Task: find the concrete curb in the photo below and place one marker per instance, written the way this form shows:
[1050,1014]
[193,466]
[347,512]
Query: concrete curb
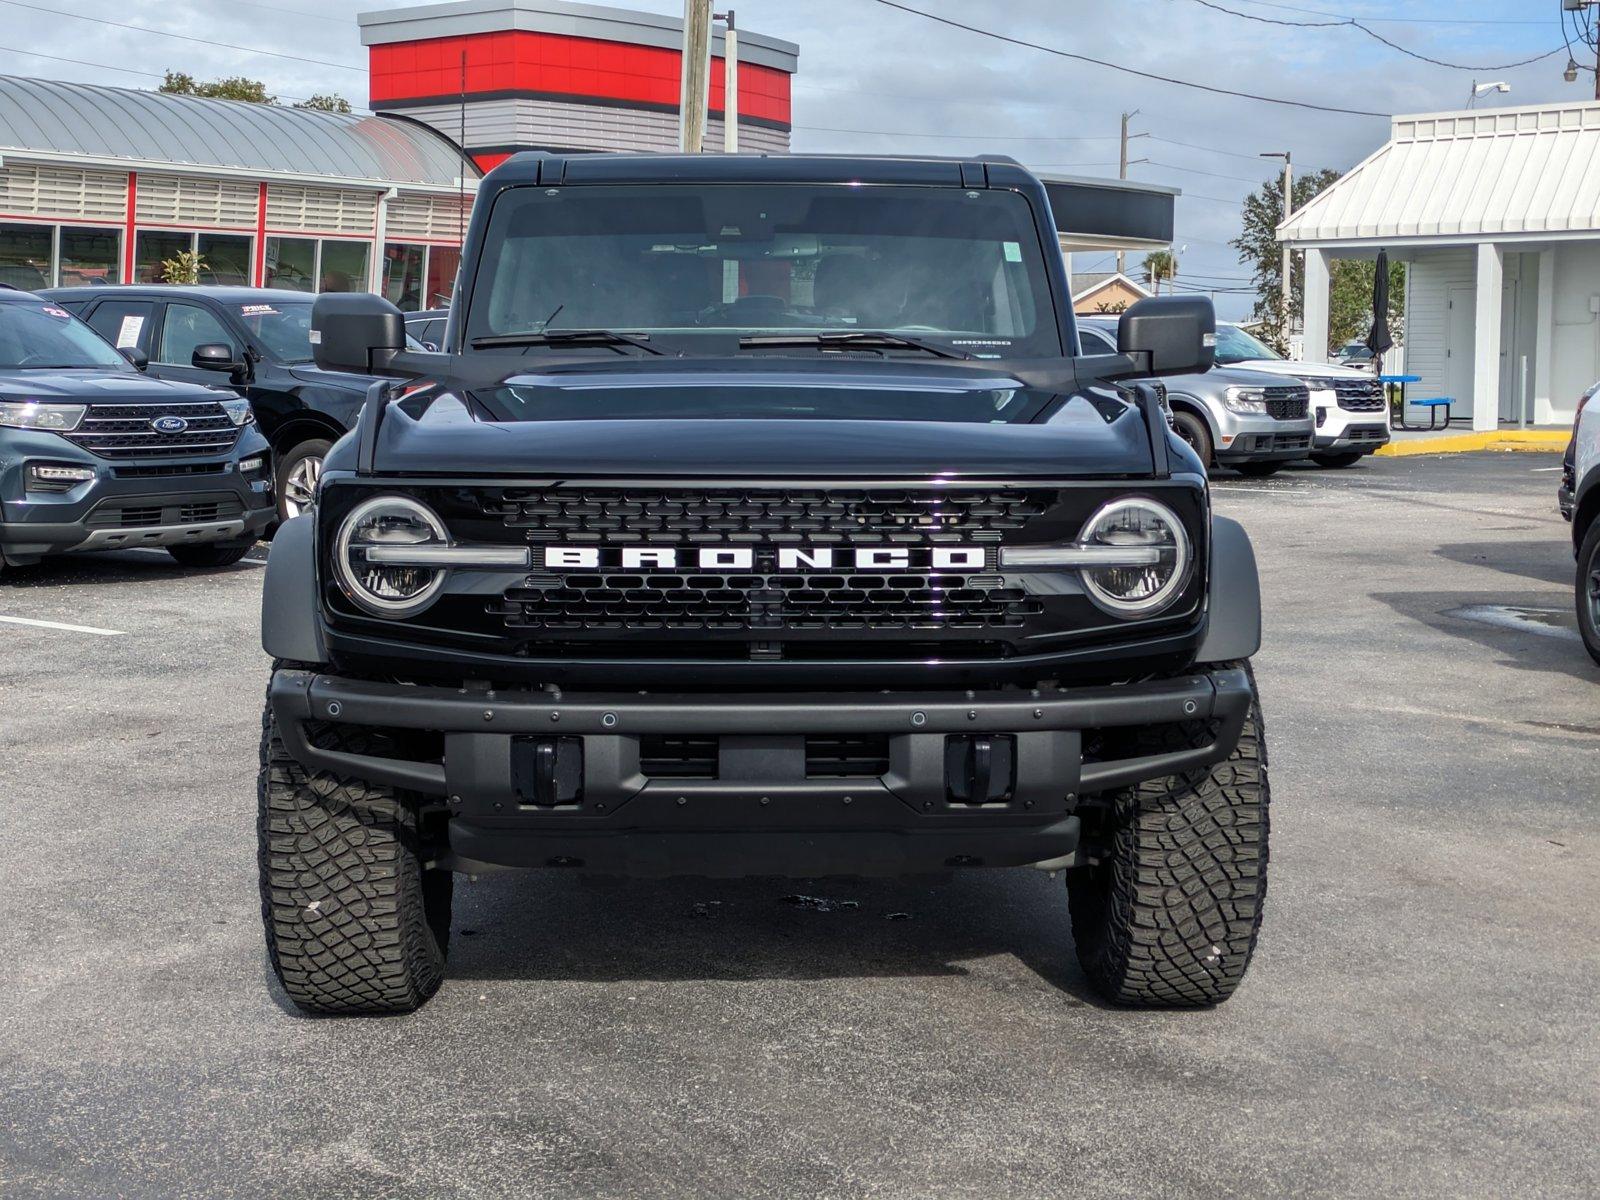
[1492,439]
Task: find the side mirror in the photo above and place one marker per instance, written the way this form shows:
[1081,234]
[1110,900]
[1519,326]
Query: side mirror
[356,332]
[136,356]
[1175,335]
[215,356]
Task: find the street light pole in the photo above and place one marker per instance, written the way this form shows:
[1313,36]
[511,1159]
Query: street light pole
[730,82]
[1285,306]
[1122,173]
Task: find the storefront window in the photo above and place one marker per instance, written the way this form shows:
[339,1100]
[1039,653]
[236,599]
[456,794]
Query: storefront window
[291,264]
[90,256]
[402,275]
[153,248]
[25,256]
[443,263]
[344,267]
[225,259]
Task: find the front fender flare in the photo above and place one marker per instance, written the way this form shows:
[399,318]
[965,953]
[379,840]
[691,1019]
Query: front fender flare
[291,627]
[1233,602]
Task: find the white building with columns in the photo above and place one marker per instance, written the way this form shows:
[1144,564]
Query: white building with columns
[1497,215]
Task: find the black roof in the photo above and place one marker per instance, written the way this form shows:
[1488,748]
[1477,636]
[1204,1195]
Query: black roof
[543,167]
[224,295]
[427,314]
[8,292]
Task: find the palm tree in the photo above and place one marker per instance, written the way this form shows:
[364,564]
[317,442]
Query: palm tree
[1159,265]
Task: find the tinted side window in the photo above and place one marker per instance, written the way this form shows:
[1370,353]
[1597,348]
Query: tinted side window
[187,326]
[1095,342]
[123,323]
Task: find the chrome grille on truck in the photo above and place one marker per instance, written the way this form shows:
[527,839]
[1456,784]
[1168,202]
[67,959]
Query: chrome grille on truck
[764,599]
[124,431]
[1352,395]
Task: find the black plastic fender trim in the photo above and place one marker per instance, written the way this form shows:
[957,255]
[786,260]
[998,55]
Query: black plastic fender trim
[290,624]
[1233,605]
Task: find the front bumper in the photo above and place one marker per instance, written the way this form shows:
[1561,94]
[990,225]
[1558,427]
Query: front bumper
[759,813]
[129,504]
[1354,438]
[1248,438]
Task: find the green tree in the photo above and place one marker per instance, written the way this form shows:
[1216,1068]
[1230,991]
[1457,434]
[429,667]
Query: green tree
[1260,250]
[1350,306]
[234,87]
[326,103]
[237,87]
[1159,265]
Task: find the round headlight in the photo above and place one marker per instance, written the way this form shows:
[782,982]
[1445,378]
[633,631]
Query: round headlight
[388,521]
[1137,591]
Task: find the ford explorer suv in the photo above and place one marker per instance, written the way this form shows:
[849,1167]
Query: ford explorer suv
[761,516]
[96,455]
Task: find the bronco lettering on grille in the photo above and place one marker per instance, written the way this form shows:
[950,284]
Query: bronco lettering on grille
[743,558]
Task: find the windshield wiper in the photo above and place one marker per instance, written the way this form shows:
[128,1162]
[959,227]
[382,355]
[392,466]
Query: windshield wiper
[863,339]
[565,337]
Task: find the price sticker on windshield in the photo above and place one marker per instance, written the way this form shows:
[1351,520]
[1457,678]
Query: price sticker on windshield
[52,311]
[1013,251]
[259,310]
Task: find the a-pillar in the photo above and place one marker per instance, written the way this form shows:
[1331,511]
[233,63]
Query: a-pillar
[1486,338]
[1316,307]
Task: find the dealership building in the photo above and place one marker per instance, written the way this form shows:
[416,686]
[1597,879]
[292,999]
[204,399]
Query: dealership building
[102,185]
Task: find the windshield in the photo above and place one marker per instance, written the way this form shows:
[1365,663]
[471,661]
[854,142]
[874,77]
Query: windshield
[690,266]
[1235,345]
[283,328]
[38,336]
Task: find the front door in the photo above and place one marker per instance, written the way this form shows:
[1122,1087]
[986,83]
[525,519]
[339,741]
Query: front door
[1460,347]
[185,325]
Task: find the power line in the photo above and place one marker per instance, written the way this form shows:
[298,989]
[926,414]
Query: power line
[1352,23]
[83,62]
[1398,20]
[1100,62]
[1207,174]
[182,37]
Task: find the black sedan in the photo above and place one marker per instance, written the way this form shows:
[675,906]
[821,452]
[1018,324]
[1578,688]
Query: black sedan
[259,339]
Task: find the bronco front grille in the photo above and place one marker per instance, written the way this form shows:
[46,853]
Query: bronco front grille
[765,602]
[748,515]
[128,430]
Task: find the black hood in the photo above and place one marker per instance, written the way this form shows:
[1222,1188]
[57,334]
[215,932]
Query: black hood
[311,373]
[779,420]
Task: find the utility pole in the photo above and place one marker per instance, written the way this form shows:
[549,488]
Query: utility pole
[1122,173]
[1286,306]
[730,83]
[696,73]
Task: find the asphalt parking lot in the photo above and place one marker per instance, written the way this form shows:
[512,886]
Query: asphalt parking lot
[1421,1019]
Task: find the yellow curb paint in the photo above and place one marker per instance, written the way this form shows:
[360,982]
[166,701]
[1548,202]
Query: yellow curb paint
[1492,439]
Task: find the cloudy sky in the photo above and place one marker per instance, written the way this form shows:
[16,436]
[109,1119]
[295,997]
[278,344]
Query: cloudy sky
[874,79]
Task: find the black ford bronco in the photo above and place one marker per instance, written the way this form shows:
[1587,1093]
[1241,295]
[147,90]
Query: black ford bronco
[762,516]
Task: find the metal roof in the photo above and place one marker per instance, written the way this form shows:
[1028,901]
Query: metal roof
[1467,176]
[117,126]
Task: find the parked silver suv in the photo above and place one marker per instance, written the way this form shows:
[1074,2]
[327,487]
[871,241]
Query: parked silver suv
[1248,420]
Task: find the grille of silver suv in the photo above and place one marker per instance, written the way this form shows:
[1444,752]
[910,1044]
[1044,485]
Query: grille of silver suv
[129,430]
[1352,395]
[1288,403]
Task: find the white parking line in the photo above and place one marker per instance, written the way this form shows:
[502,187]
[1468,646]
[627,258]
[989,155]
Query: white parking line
[64,628]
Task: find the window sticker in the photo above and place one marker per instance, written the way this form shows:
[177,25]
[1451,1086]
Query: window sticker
[1013,251]
[259,310]
[51,311]
[128,332]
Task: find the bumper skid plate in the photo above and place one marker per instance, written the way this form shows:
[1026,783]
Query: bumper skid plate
[760,813]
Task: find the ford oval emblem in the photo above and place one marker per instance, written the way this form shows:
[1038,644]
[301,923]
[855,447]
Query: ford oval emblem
[169,424]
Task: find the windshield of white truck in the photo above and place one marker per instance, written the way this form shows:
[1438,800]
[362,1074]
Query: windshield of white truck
[1234,345]
[762,269]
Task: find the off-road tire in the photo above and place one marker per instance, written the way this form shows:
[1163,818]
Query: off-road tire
[1258,470]
[1588,587]
[1337,460]
[1193,430]
[211,554]
[354,925]
[1169,916]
